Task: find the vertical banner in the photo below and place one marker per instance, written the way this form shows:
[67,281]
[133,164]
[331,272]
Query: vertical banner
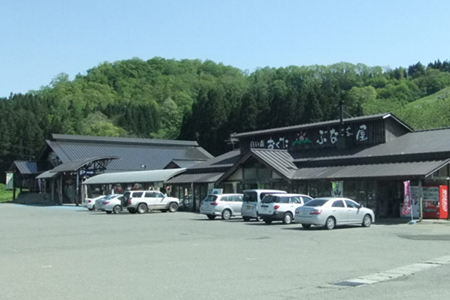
[337,189]
[406,210]
[9,181]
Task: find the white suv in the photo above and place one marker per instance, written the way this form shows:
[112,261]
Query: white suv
[143,201]
[280,207]
[224,205]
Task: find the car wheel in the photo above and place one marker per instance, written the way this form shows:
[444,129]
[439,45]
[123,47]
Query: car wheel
[259,218]
[90,208]
[246,219]
[173,207]
[142,208]
[330,223]
[131,210]
[306,226]
[367,221]
[268,222]
[287,218]
[108,212]
[117,209]
[211,217]
[226,214]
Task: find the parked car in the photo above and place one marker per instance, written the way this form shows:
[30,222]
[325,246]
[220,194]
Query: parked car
[224,205]
[250,205]
[110,204]
[90,202]
[276,207]
[331,212]
[143,201]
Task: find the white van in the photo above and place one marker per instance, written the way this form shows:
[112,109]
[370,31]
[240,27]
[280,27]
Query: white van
[251,200]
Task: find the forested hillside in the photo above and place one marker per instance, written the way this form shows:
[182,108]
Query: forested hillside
[206,101]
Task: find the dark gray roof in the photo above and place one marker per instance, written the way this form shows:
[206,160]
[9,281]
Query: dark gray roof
[121,140]
[195,178]
[417,142]
[134,153]
[26,167]
[75,165]
[134,177]
[280,160]
[222,161]
[320,124]
[406,170]
[186,163]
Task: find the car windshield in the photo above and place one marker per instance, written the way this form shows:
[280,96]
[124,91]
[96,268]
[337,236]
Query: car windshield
[316,202]
[269,199]
[210,198]
[250,197]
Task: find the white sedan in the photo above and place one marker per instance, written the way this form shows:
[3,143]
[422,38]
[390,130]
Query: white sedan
[110,203]
[90,202]
[331,212]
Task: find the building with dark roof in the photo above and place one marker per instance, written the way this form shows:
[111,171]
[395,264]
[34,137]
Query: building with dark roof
[67,160]
[369,158]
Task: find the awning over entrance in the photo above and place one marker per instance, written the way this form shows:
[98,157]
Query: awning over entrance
[407,169]
[134,177]
[46,175]
[87,163]
[195,178]
[25,167]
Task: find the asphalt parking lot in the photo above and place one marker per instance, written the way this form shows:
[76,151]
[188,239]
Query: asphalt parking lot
[71,253]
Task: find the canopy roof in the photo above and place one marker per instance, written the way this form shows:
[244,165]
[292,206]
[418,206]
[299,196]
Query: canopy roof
[134,177]
[75,165]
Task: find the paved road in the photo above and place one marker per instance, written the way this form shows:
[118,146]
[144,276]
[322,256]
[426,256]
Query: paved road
[71,253]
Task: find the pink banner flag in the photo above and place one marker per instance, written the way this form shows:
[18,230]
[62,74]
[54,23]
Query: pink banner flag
[406,210]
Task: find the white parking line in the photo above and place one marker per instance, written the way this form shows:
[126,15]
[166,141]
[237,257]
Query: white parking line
[395,273]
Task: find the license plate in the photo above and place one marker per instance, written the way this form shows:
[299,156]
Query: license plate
[248,207]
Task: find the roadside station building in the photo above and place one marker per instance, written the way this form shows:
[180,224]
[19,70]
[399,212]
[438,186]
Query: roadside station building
[67,161]
[365,158]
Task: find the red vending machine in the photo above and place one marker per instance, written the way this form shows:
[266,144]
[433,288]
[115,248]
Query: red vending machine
[435,202]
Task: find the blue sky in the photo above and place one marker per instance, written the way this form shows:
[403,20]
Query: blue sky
[40,39]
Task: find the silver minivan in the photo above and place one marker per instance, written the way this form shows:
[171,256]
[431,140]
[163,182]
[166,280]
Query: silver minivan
[251,200]
[224,205]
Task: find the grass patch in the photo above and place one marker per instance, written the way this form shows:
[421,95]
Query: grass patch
[5,195]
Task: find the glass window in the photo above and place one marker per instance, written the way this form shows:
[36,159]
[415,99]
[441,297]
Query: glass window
[210,198]
[159,195]
[296,200]
[317,202]
[283,199]
[269,199]
[225,198]
[306,199]
[351,204]
[237,198]
[250,197]
[338,203]
[137,194]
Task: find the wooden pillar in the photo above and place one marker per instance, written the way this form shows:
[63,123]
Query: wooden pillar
[14,185]
[52,187]
[77,188]
[193,197]
[60,192]
[420,200]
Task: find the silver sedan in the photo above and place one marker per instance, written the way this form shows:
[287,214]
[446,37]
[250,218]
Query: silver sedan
[331,212]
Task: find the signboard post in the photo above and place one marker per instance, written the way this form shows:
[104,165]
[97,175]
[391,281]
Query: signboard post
[9,180]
